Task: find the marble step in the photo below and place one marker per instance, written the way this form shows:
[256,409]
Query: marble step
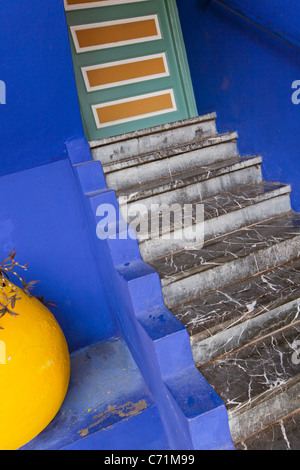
[195,271]
[212,217]
[228,318]
[169,161]
[154,138]
[259,383]
[194,184]
[283,434]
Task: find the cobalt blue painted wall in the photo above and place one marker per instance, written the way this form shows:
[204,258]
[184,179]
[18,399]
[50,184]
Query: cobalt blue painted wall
[41,109]
[281,14]
[246,76]
[44,219]
[41,212]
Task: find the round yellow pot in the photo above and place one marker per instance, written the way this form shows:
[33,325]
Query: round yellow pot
[34,372]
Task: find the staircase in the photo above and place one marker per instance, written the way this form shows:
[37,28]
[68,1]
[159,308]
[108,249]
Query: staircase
[236,286]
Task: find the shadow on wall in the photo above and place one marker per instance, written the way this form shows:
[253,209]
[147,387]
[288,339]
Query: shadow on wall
[250,78]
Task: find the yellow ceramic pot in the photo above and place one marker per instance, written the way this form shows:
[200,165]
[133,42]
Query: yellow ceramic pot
[34,372]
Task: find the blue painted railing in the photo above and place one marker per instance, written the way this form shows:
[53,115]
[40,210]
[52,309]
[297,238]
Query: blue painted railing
[260,22]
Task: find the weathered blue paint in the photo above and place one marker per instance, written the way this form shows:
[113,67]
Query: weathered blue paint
[246,76]
[142,432]
[41,110]
[106,387]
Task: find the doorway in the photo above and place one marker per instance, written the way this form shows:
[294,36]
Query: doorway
[130,65]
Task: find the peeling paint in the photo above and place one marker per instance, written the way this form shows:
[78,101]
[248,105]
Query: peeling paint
[126,411]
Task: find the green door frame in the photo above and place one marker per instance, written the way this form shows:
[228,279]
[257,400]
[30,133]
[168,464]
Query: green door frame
[182,59]
[172,43]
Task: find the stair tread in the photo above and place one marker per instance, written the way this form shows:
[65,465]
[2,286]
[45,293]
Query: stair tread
[184,178]
[241,301]
[237,291]
[226,248]
[281,435]
[168,152]
[242,197]
[105,388]
[152,130]
[248,376]
[225,203]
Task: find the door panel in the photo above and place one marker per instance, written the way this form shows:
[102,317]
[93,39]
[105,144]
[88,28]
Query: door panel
[80,4]
[99,77]
[130,65]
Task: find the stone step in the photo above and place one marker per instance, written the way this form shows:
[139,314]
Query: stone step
[195,271]
[154,138]
[211,218]
[283,434]
[235,286]
[259,383]
[137,170]
[194,184]
[228,318]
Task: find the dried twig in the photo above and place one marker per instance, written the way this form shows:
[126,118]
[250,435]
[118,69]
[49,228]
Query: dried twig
[8,298]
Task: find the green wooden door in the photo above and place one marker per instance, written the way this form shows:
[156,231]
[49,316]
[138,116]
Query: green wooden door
[130,65]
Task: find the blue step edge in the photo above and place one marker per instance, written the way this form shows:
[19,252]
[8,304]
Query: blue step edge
[193,415]
[107,396]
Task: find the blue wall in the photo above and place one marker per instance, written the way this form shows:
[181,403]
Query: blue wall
[41,213]
[43,218]
[41,109]
[246,76]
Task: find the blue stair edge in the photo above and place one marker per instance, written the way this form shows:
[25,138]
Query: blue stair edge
[106,392]
[193,415]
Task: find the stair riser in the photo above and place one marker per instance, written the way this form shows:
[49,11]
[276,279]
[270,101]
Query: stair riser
[234,336]
[156,247]
[138,174]
[169,152]
[203,189]
[283,401]
[153,142]
[206,281]
[181,181]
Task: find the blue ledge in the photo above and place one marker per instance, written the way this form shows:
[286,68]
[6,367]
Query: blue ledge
[182,407]
[106,401]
